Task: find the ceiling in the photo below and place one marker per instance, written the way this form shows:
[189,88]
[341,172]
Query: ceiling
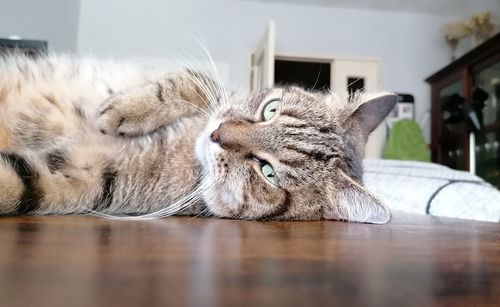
[441,7]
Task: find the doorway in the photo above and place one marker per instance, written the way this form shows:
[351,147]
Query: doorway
[313,76]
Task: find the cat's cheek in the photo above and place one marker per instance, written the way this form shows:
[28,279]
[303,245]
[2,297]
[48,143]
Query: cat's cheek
[219,208]
[231,200]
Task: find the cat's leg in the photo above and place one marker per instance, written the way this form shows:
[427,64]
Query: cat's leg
[143,109]
[26,185]
[11,185]
[58,183]
[6,141]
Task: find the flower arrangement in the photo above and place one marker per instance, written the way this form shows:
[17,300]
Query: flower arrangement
[479,28]
[453,33]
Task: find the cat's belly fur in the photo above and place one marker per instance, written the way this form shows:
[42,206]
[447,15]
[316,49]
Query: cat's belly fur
[142,174]
[156,171]
[49,124]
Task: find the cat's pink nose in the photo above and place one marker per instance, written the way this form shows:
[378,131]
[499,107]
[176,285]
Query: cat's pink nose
[230,135]
[215,136]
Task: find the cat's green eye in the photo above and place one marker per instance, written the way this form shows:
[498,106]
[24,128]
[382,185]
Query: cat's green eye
[270,110]
[268,172]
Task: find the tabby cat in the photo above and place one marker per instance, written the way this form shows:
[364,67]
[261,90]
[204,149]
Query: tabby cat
[102,137]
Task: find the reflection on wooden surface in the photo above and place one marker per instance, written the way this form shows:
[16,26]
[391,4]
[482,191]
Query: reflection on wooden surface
[86,261]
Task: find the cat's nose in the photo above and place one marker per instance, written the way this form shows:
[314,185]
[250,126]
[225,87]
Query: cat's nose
[215,135]
[230,135]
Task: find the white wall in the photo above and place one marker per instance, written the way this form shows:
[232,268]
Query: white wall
[409,45]
[53,20]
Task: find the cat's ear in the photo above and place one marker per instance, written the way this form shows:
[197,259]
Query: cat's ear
[373,111]
[350,201]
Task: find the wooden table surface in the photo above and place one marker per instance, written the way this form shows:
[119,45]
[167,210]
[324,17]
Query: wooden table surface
[183,261]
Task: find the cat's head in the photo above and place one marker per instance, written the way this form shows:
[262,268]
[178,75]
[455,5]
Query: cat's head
[289,154]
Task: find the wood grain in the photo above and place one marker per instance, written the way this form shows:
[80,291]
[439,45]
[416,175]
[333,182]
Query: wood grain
[183,261]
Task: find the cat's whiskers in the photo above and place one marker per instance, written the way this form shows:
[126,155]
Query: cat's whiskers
[213,91]
[206,91]
[214,69]
[212,103]
[194,197]
[317,79]
[188,64]
[203,111]
[178,206]
[220,95]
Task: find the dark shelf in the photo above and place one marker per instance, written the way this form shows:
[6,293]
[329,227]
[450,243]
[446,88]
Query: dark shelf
[485,50]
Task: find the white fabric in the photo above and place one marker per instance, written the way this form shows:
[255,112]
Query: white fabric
[418,186]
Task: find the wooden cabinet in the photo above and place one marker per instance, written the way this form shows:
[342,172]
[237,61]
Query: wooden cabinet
[466,112]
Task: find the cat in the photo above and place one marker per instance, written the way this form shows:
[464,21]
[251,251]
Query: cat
[80,135]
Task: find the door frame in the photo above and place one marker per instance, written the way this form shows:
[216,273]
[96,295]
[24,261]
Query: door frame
[318,58]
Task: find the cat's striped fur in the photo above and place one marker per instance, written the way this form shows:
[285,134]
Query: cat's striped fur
[81,135]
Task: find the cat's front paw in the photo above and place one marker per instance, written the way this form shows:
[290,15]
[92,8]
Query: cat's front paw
[122,115]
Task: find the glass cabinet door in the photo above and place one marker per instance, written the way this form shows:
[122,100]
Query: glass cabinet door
[487,157]
[485,101]
[453,129]
[486,94]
